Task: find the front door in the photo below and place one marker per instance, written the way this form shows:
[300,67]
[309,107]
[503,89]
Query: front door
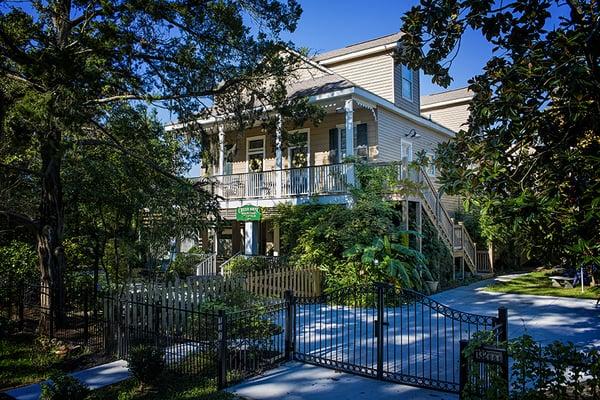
[299,160]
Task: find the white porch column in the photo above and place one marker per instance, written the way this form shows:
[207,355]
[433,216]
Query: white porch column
[276,244]
[251,238]
[221,150]
[278,156]
[349,109]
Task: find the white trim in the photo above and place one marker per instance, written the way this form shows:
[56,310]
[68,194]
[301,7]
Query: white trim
[410,99]
[255,151]
[359,53]
[366,95]
[410,145]
[446,103]
[339,128]
[417,119]
[302,130]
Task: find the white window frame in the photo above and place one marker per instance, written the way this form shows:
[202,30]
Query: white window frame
[410,78]
[289,152]
[403,144]
[431,169]
[339,134]
[255,151]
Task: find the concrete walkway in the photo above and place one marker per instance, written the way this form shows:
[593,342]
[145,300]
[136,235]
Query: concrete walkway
[94,378]
[297,381]
[545,318]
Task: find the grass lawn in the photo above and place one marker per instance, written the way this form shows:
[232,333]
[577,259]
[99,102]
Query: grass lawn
[22,362]
[537,283]
[171,388]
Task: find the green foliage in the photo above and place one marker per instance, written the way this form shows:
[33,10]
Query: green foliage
[146,363]
[82,157]
[387,259]
[246,316]
[538,283]
[556,371]
[242,264]
[184,264]
[529,157]
[18,262]
[171,387]
[497,389]
[62,386]
[24,361]
[438,258]
[357,244]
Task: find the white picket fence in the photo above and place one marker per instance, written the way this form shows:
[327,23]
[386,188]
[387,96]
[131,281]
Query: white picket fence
[169,306]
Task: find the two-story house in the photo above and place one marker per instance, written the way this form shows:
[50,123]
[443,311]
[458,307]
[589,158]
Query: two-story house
[373,111]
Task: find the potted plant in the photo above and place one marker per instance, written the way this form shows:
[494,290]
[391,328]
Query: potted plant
[433,286]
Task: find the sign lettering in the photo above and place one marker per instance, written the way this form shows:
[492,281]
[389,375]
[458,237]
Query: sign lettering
[248,213]
[490,355]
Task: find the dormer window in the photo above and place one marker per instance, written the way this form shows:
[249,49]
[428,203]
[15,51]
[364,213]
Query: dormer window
[407,83]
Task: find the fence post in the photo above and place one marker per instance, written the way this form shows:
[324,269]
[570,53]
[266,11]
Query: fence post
[379,329]
[51,310]
[107,324]
[157,317]
[222,352]
[290,325]
[463,374]
[502,324]
[86,320]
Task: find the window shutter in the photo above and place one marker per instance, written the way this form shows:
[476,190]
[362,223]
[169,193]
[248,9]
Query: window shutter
[333,139]
[361,135]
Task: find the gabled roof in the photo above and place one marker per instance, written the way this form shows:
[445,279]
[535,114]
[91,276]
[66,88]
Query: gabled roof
[454,95]
[380,41]
[323,84]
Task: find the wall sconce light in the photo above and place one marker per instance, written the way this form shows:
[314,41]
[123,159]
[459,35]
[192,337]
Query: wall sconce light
[412,134]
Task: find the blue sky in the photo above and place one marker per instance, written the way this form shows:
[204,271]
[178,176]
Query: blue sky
[331,24]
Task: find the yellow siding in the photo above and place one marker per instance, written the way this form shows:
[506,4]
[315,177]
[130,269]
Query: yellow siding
[392,129]
[452,117]
[318,141]
[412,106]
[374,73]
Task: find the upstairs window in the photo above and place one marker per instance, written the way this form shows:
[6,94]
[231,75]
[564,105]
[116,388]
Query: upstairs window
[407,83]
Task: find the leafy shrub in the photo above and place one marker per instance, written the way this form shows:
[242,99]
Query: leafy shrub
[184,264]
[242,264]
[438,258]
[146,363]
[61,387]
[246,317]
[556,371]
[339,239]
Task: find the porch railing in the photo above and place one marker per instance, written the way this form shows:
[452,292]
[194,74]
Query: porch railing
[322,179]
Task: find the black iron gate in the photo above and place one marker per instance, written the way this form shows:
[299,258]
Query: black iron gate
[386,333]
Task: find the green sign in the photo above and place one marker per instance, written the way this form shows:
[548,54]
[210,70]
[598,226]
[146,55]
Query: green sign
[248,213]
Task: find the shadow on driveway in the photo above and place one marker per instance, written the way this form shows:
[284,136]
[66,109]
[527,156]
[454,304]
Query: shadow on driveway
[298,381]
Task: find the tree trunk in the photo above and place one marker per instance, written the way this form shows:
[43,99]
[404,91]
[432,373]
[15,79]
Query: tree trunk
[50,231]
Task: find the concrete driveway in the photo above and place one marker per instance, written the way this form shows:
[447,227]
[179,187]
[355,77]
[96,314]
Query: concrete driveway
[297,381]
[545,318]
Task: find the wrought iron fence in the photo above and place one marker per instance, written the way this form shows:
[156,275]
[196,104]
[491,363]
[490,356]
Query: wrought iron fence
[75,319]
[228,346]
[386,333]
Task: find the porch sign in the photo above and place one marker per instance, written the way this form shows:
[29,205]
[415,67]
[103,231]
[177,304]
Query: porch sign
[248,213]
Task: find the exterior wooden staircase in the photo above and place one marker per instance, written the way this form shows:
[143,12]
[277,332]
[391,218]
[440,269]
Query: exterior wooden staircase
[453,234]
